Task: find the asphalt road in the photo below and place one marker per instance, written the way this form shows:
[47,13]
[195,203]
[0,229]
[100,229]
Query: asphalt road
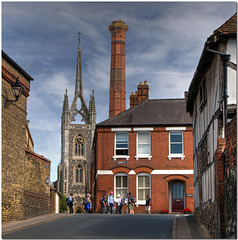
[98,226]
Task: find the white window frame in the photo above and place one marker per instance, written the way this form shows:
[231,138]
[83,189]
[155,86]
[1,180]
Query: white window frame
[115,157]
[141,202]
[120,175]
[143,130]
[176,155]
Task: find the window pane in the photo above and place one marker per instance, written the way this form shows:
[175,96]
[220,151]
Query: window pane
[121,145]
[121,137]
[181,191]
[122,152]
[81,175]
[118,181]
[144,149]
[144,138]
[176,148]
[124,193]
[77,175]
[174,192]
[140,194]
[140,181]
[124,181]
[147,181]
[176,137]
[147,192]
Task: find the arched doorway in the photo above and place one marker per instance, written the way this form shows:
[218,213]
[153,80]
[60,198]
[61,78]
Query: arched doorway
[79,209]
[177,196]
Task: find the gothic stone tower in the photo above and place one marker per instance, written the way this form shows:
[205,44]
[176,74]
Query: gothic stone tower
[76,142]
[117,102]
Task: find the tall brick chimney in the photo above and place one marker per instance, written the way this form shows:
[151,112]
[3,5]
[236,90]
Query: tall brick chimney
[117,102]
[140,95]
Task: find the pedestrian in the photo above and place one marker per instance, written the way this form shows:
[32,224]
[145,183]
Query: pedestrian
[88,203]
[119,204]
[110,202]
[131,203]
[70,203]
[104,204]
[148,204]
[127,204]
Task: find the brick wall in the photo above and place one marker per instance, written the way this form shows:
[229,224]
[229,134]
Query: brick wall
[24,193]
[13,153]
[36,190]
[231,180]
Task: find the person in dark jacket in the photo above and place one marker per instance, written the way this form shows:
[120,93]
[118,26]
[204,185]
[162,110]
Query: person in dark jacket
[148,204]
[71,203]
[104,204]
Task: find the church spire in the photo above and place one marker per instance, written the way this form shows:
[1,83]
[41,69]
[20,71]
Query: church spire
[79,82]
[79,92]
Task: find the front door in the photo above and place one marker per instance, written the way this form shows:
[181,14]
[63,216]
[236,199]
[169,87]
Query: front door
[177,197]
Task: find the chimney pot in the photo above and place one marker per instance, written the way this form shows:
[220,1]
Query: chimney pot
[141,83]
[145,82]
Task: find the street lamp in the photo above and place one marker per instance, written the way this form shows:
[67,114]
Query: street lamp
[17,89]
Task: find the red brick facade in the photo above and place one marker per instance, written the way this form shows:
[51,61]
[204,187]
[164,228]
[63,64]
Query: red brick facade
[159,168]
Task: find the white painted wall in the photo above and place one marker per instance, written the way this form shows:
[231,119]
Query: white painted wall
[231,74]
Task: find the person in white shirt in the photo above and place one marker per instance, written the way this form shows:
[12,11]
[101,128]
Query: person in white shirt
[119,204]
[110,202]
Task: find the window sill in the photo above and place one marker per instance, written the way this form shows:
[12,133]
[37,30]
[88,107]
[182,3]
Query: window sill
[141,156]
[120,157]
[176,156]
[140,203]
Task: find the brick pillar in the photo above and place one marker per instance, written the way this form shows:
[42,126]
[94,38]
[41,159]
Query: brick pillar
[117,102]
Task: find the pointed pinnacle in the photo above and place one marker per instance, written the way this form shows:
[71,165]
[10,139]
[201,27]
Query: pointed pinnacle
[79,35]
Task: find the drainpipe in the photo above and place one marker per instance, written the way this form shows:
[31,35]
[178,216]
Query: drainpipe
[225,58]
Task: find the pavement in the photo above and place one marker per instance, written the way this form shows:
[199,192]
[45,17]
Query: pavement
[187,227]
[184,226]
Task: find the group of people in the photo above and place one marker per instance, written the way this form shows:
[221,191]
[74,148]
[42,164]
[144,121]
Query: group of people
[87,203]
[108,203]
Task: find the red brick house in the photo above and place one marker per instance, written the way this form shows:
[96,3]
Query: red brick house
[146,149]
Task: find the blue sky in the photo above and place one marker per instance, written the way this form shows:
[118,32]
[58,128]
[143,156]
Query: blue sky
[164,42]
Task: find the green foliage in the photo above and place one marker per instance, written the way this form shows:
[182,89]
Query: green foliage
[63,207]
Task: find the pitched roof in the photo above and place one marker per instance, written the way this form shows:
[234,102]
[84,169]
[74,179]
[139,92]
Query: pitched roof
[169,112]
[228,29]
